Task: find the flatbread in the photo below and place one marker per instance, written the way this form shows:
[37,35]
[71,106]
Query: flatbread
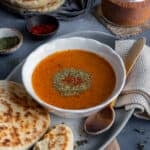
[27,4]
[33,6]
[53,5]
[22,120]
[58,138]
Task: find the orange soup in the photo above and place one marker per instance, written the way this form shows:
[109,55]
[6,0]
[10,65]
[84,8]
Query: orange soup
[73,79]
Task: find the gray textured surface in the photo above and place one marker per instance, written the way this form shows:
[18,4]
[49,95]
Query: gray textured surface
[128,138]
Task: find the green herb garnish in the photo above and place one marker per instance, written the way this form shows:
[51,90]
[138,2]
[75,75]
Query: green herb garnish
[140,131]
[70,82]
[140,146]
[8,42]
[81,142]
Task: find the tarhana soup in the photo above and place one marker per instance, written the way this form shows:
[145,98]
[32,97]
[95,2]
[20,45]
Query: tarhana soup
[73,79]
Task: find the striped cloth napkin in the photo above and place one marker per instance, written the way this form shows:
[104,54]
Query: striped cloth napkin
[136,93]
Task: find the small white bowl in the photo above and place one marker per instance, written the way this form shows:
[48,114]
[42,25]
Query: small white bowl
[9,32]
[74,43]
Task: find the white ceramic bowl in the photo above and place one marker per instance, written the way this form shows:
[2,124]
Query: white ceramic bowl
[74,43]
[8,32]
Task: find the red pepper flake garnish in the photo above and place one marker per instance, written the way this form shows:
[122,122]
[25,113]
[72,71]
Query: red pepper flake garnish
[43,29]
[70,81]
[73,80]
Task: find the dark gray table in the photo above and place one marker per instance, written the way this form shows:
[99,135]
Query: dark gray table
[128,138]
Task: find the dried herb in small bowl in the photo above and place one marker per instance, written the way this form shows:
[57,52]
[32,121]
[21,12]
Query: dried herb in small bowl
[7,43]
[10,40]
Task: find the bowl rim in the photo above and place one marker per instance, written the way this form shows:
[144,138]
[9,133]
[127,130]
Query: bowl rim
[76,111]
[16,47]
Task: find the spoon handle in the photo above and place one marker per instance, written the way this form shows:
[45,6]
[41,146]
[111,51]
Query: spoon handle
[134,54]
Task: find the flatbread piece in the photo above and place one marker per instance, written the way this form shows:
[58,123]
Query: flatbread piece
[27,4]
[33,6]
[58,138]
[22,120]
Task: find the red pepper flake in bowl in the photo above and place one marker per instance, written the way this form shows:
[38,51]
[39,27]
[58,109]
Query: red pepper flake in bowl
[43,29]
[42,26]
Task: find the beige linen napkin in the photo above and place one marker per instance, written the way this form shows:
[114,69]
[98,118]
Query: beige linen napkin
[136,94]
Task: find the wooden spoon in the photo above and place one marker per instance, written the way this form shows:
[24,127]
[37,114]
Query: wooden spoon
[104,119]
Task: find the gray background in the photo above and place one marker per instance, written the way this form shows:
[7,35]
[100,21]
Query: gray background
[128,138]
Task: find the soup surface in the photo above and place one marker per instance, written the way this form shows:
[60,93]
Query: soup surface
[73,79]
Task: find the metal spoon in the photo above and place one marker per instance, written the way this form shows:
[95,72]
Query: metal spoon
[104,119]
